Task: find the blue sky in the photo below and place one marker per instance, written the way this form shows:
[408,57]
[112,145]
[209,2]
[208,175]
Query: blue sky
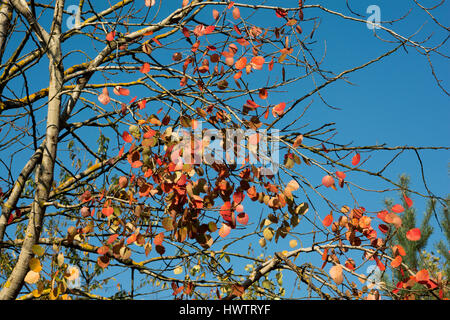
[394,101]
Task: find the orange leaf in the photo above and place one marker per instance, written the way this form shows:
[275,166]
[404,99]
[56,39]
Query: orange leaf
[145,68]
[278,109]
[328,220]
[422,276]
[111,35]
[337,274]
[356,158]
[271,64]
[127,137]
[104,97]
[241,63]
[242,218]
[142,104]
[413,234]
[159,238]
[236,13]
[327,181]
[263,94]
[396,262]
[224,230]
[107,211]
[398,208]
[257,62]
[215,14]
[408,201]
[118,90]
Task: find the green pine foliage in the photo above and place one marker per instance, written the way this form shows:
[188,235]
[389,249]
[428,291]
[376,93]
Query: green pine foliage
[417,257]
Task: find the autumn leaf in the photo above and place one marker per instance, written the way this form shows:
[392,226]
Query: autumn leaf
[159,238]
[422,276]
[236,13]
[215,14]
[328,220]
[145,68]
[396,262]
[104,98]
[224,230]
[241,63]
[278,109]
[127,137]
[111,35]
[336,273]
[356,158]
[398,208]
[257,62]
[120,91]
[263,94]
[413,234]
[408,201]
[242,218]
[327,181]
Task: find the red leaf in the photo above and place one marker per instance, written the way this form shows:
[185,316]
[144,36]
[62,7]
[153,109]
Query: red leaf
[186,32]
[327,181]
[107,211]
[215,14]
[278,109]
[145,68]
[121,151]
[127,137]
[257,62]
[157,41]
[236,28]
[243,42]
[422,276]
[241,63]
[142,104]
[380,265]
[356,158]
[413,234]
[396,262]
[242,218]
[136,164]
[408,201]
[271,64]
[118,90]
[398,208]
[236,13]
[209,29]
[328,220]
[112,238]
[383,228]
[340,175]
[238,197]
[111,35]
[195,46]
[280,13]
[159,238]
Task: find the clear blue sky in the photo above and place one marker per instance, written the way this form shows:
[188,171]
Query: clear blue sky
[395,101]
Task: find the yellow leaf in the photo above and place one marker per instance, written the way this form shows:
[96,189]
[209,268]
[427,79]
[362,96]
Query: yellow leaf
[178,270]
[38,250]
[35,265]
[293,243]
[268,234]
